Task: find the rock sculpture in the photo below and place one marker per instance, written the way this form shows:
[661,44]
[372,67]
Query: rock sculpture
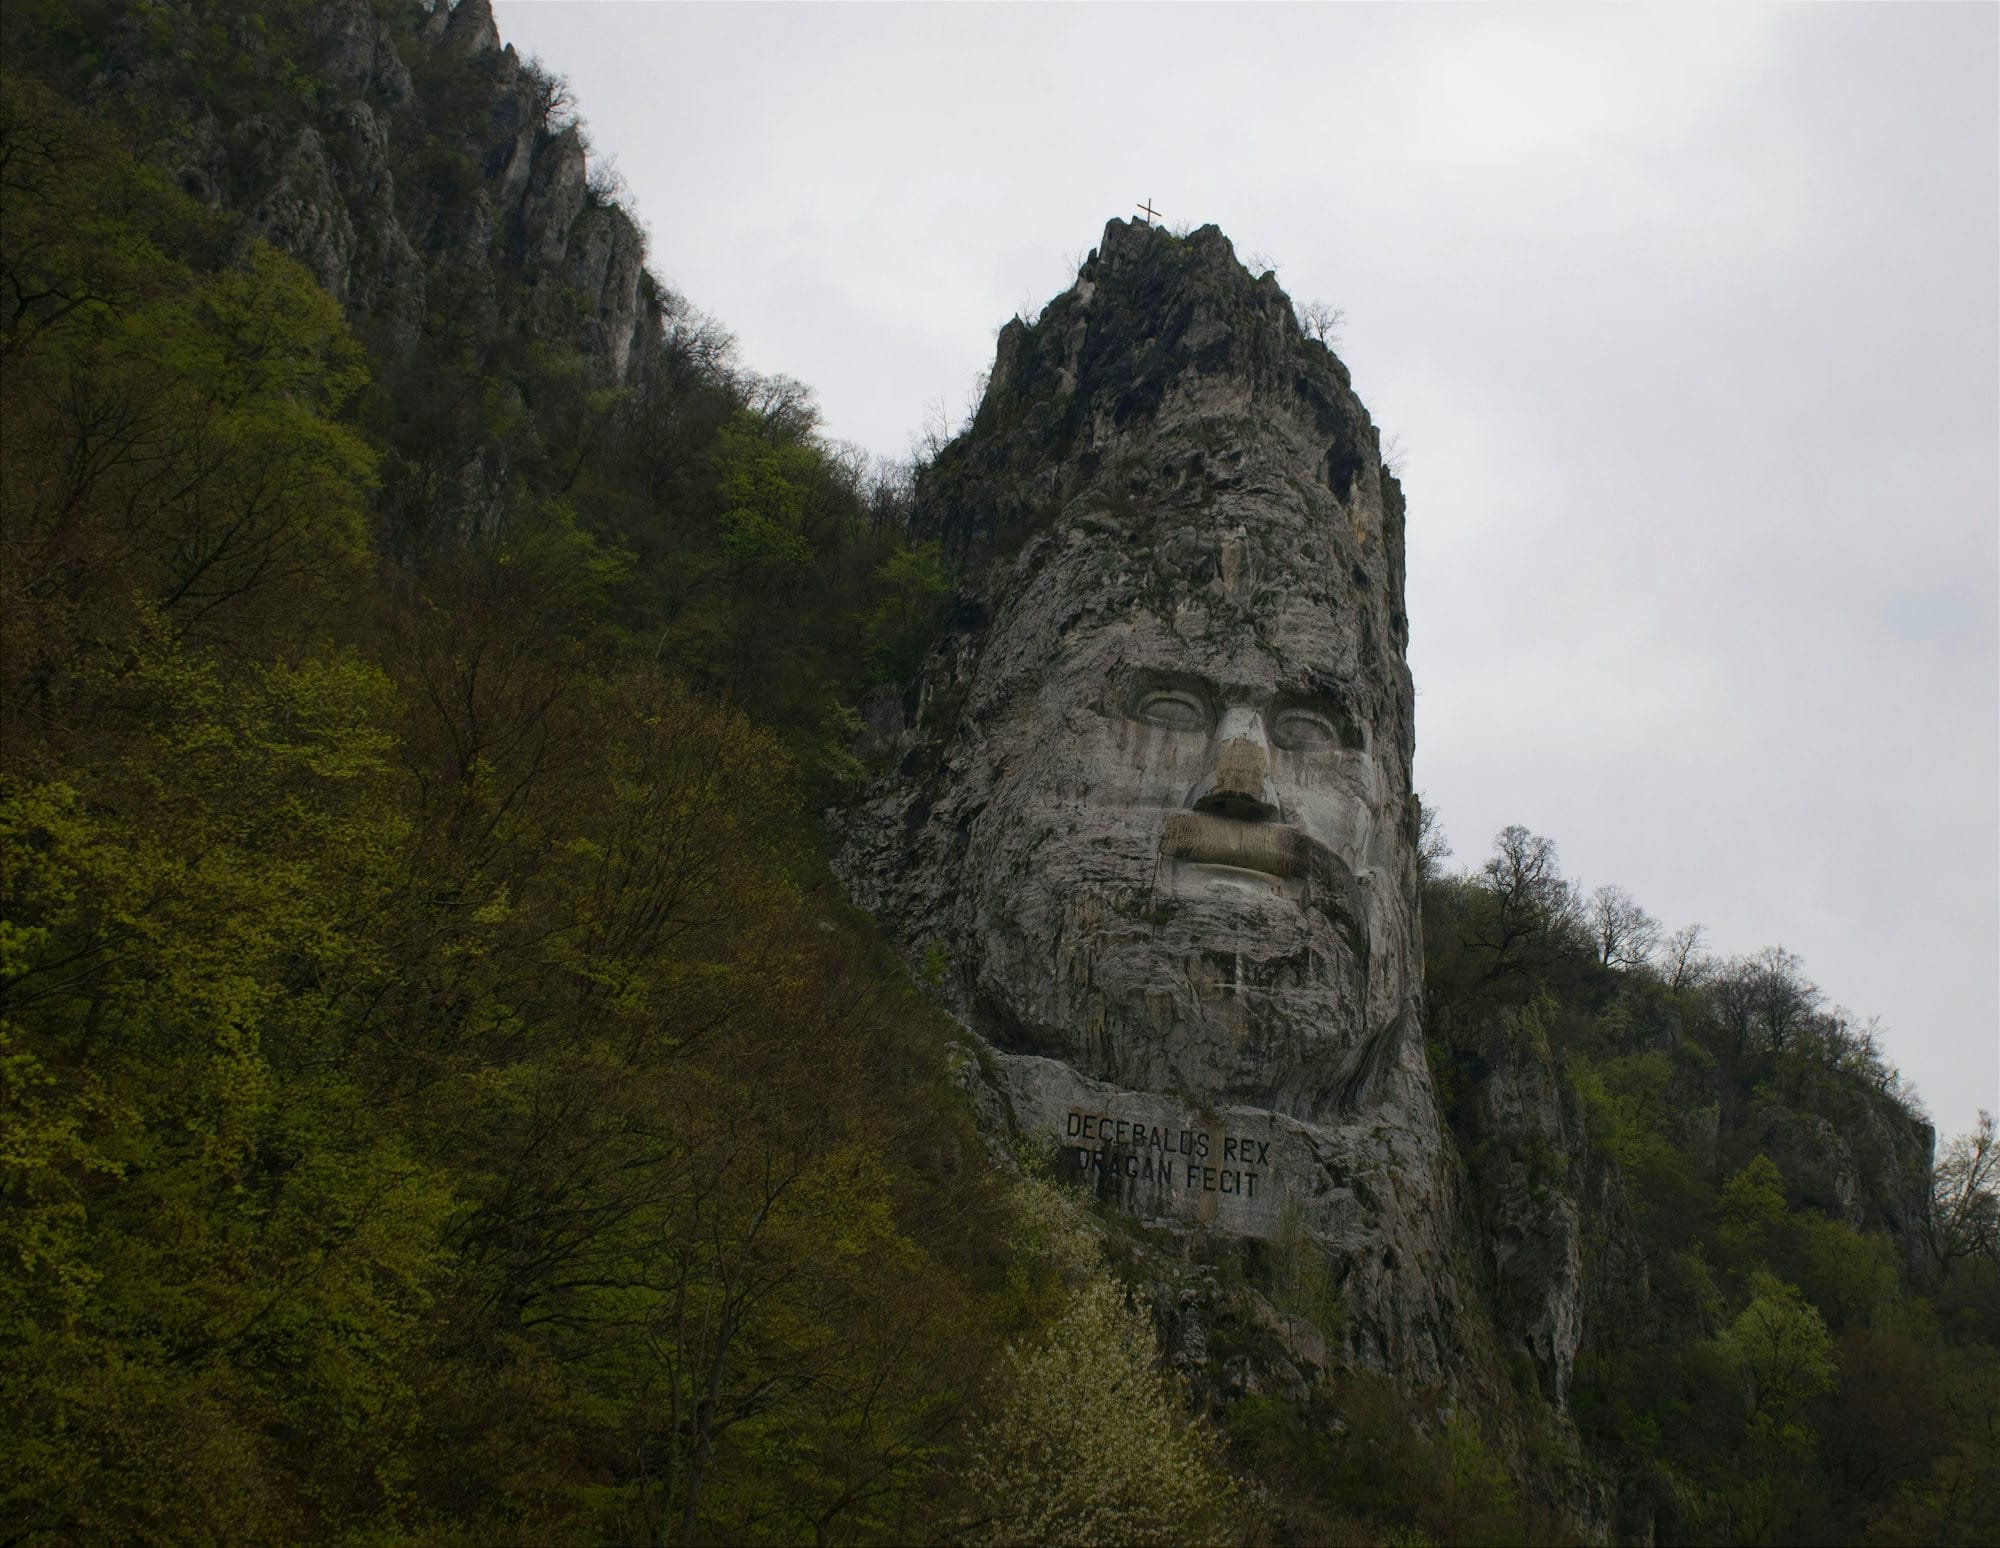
[1154,813]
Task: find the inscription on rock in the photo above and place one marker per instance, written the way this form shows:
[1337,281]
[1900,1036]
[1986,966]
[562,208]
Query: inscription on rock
[1104,1145]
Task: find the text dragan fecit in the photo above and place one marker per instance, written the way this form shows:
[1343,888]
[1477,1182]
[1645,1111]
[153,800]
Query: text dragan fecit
[1184,1158]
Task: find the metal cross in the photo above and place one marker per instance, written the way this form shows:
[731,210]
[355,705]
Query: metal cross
[1151,214]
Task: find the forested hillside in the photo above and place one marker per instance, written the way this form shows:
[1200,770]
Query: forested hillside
[1784,1322]
[445,1096]
[442,1094]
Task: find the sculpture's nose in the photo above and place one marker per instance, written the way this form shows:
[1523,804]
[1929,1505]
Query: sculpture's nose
[1238,781]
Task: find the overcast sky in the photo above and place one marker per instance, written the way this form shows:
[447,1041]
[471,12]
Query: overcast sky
[1687,322]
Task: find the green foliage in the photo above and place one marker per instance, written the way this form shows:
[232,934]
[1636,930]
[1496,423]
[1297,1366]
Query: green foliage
[913,587]
[1779,1348]
[1849,1276]
[1302,1278]
[1369,1464]
[1753,1205]
[1782,1374]
[214,1234]
[768,520]
[173,457]
[1947,1490]
[437,1101]
[576,572]
[1090,1441]
[836,766]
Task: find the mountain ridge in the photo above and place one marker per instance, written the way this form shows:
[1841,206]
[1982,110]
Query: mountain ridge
[618,605]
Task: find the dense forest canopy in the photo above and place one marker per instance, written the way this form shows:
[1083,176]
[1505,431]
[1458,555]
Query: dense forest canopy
[446,1096]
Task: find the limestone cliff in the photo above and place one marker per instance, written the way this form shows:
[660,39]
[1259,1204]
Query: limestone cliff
[1150,823]
[1154,809]
[426,175]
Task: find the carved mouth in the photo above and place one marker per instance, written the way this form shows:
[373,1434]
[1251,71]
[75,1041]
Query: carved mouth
[1202,838]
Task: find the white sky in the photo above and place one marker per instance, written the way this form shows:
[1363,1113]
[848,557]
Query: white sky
[1688,320]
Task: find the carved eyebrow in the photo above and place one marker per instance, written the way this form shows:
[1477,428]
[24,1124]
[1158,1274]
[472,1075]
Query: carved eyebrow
[1323,685]
[1332,698]
[1150,679]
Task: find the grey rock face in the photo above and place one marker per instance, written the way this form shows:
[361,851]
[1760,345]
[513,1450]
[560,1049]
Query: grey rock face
[356,57]
[604,263]
[399,218]
[1870,1171]
[303,214]
[1894,1150]
[1533,1228]
[555,197]
[471,27]
[514,131]
[1817,1165]
[386,278]
[432,185]
[1157,812]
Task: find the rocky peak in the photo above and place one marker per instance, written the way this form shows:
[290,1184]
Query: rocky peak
[431,181]
[1167,308]
[355,56]
[1156,809]
[1159,375]
[471,29]
[431,164]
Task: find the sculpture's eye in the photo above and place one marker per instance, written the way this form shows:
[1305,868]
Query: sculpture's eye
[1303,731]
[1176,711]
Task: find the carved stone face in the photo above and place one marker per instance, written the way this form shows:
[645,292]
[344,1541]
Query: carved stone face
[1192,875]
[1152,798]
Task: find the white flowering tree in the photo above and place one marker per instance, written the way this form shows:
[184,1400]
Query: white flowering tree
[1091,1441]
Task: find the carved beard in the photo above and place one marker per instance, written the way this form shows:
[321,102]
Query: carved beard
[1220,994]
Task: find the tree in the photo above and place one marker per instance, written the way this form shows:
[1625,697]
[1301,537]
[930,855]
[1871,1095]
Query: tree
[1682,963]
[933,435]
[1091,1441]
[913,585]
[1962,1219]
[786,406]
[1781,993]
[1433,848]
[197,1192]
[1780,1349]
[1958,1501]
[1753,1204]
[552,100]
[1530,907]
[173,454]
[1764,1000]
[1623,932]
[1322,322]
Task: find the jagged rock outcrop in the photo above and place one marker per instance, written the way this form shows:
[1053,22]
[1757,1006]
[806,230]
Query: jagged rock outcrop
[357,56]
[470,29]
[1156,810]
[1531,1225]
[399,210]
[1871,1170]
[302,212]
[385,278]
[432,182]
[554,199]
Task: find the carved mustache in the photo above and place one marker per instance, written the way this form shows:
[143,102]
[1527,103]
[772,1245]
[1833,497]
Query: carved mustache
[1207,839]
